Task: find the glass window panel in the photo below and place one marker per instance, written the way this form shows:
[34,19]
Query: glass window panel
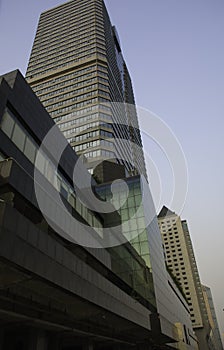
[55,180]
[50,172]
[64,189]
[95,222]
[141,223]
[89,218]
[40,162]
[133,225]
[131,202]
[79,207]
[137,188]
[136,246]
[84,212]
[99,230]
[7,124]
[146,257]
[135,241]
[132,212]
[18,137]
[140,212]
[30,150]
[71,199]
[138,199]
[125,216]
[125,228]
[144,248]
[1,157]
[58,181]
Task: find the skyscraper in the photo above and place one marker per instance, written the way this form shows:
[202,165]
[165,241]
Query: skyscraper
[77,70]
[181,261]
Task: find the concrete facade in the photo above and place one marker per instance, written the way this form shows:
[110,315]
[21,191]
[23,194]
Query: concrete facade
[77,70]
[182,265]
[215,336]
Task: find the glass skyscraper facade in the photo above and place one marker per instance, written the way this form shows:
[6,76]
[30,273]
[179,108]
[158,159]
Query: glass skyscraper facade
[77,70]
[135,228]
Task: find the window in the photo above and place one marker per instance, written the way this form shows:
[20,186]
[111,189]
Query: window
[18,137]
[1,157]
[23,140]
[144,248]
[40,162]
[30,150]
[7,124]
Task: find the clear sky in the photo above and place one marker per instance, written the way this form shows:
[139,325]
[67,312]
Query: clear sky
[174,50]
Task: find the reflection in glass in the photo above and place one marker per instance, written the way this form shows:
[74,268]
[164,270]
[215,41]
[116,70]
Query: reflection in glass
[7,124]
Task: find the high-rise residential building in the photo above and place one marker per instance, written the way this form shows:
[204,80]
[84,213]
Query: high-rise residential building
[180,259]
[216,342]
[77,70]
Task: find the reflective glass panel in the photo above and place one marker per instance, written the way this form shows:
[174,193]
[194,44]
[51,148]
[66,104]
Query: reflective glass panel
[18,137]
[30,150]
[1,157]
[7,124]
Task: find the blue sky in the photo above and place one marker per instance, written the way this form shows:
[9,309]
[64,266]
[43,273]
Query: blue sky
[174,50]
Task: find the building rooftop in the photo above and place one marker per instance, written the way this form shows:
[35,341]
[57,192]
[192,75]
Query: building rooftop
[165,212]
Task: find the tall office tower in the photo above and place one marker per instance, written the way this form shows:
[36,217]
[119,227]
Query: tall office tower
[77,70]
[181,261]
[215,334]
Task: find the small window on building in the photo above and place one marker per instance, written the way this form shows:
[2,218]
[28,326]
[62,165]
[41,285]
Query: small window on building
[30,150]
[18,137]
[1,157]
[7,124]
